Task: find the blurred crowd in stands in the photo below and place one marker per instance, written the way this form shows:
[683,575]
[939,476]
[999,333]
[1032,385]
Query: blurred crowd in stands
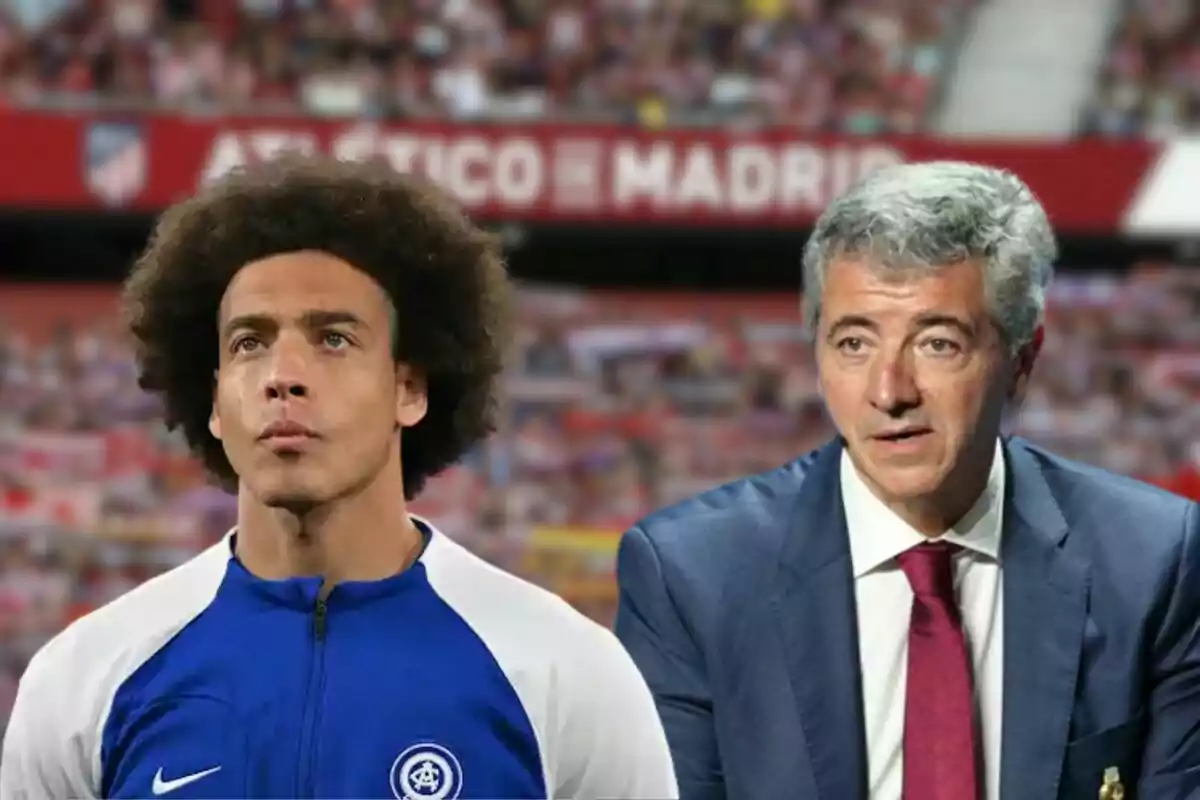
[850,66]
[1149,82]
[619,404]
[858,66]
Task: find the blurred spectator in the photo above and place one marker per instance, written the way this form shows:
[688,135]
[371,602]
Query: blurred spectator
[1150,80]
[858,66]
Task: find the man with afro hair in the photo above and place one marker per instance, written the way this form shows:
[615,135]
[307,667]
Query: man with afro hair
[328,336]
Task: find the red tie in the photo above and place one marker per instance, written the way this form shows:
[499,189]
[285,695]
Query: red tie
[940,753]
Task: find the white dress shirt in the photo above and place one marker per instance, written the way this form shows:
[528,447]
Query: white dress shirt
[884,600]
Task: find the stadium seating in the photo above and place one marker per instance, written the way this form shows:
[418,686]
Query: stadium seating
[1148,81]
[813,65]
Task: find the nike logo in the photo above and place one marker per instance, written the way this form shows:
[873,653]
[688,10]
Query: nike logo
[163,787]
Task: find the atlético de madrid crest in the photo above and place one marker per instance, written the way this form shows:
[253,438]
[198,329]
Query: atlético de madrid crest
[114,161]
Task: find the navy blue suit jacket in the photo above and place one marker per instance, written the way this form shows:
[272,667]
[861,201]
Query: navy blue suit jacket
[738,606]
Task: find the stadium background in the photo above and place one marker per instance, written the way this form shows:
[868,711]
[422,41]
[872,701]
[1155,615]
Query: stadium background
[653,165]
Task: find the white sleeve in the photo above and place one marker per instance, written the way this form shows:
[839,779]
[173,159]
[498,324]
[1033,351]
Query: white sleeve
[40,760]
[611,742]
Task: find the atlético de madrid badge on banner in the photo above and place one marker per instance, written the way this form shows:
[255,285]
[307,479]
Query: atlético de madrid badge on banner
[115,161]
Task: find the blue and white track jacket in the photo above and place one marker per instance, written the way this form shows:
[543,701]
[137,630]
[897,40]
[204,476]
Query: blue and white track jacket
[451,680]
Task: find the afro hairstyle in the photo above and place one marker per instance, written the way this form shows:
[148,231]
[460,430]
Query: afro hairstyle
[445,277]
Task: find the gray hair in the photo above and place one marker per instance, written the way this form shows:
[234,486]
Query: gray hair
[921,217]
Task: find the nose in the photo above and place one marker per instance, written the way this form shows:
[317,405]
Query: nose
[280,388]
[893,386]
[286,377]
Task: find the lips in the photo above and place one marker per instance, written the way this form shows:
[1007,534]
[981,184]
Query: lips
[901,434]
[286,429]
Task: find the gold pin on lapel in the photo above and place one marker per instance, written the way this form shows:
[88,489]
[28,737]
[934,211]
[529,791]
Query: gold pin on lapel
[1112,788]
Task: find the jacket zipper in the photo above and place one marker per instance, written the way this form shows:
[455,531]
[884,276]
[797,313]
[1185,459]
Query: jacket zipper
[314,699]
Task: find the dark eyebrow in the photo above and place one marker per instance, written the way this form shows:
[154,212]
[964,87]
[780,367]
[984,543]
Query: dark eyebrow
[250,322]
[851,321]
[922,322]
[948,320]
[314,318]
[323,319]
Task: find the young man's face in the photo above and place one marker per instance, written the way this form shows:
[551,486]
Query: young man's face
[308,399]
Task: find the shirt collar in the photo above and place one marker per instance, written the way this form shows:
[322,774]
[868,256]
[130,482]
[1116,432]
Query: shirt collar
[878,535]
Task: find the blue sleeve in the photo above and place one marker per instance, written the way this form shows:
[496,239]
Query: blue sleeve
[1171,760]
[652,630]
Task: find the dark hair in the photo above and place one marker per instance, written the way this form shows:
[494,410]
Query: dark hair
[445,277]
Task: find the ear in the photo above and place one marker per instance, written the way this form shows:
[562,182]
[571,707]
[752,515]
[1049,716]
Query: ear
[1023,366]
[412,396]
[214,416]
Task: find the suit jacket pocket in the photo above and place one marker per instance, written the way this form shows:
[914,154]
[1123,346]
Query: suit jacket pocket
[1087,758]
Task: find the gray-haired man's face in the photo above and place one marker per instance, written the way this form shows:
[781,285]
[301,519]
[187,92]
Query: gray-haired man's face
[915,375]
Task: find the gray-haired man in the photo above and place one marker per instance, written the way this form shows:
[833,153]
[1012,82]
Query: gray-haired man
[923,608]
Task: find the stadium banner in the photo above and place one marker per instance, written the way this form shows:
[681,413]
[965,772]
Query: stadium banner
[563,173]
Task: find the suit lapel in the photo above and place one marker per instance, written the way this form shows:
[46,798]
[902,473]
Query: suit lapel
[1045,610]
[813,599]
